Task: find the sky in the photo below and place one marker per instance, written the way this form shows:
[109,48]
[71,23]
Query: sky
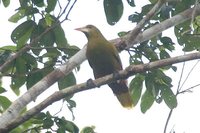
[99,107]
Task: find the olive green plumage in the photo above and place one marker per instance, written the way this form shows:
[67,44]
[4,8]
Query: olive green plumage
[104,59]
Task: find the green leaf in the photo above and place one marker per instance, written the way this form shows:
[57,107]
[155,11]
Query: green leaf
[6,3]
[131,3]
[70,51]
[16,83]
[48,19]
[147,100]
[113,10]
[136,86]
[39,3]
[31,62]
[165,12]
[167,43]
[174,68]
[20,78]
[8,47]
[136,17]
[150,54]
[71,103]
[153,1]
[65,125]
[51,4]
[149,81]
[50,54]
[67,81]
[48,39]
[4,102]
[30,11]
[2,90]
[162,78]
[166,40]
[122,33]
[33,78]
[164,54]
[47,123]
[4,55]
[88,129]
[21,66]
[169,97]
[40,116]
[36,32]
[60,38]
[17,16]
[147,8]
[22,33]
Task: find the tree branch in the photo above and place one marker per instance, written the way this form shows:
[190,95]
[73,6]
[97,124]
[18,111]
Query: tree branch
[158,28]
[13,111]
[134,33]
[130,37]
[27,46]
[129,71]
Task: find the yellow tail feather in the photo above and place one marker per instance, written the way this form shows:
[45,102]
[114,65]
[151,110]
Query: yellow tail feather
[125,100]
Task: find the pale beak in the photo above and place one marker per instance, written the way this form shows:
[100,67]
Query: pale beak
[83,29]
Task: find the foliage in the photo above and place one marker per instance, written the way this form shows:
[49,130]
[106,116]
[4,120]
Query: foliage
[158,84]
[49,48]
[40,28]
[45,121]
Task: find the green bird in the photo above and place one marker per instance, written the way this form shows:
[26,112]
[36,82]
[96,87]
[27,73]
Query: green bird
[104,59]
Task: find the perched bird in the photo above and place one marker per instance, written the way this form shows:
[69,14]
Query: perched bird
[104,59]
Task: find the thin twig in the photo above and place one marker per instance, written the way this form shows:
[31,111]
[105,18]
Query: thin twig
[59,109]
[64,9]
[129,38]
[189,89]
[179,90]
[70,9]
[191,70]
[181,76]
[168,118]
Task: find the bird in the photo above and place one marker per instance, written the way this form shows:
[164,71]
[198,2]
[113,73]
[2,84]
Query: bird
[104,59]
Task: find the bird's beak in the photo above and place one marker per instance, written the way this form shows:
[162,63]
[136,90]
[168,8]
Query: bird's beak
[83,29]
[79,29]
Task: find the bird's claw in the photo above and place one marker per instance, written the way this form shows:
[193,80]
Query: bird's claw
[90,83]
[116,75]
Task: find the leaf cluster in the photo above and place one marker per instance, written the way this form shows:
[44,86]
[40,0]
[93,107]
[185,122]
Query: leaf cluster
[158,86]
[41,32]
[46,40]
[50,123]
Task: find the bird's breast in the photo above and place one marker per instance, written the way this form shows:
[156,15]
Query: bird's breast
[100,59]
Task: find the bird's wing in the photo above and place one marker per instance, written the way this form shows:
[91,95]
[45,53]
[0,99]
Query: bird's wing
[118,63]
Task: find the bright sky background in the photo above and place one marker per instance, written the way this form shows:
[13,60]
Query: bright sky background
[99,107]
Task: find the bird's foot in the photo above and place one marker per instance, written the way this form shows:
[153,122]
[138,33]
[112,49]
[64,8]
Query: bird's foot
[116,76]
[90,83]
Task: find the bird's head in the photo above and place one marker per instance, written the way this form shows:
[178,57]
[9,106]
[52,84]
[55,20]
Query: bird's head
[90,31]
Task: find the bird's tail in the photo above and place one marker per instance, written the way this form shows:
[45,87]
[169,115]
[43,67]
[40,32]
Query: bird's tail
[120,89]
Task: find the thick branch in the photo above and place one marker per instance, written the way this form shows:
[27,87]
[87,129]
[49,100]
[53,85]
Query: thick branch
[157,29]
[129,71]
[13,111]
[134,33]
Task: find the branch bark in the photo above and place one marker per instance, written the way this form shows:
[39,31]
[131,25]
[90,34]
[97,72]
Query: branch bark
[13,111]
[127,72]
